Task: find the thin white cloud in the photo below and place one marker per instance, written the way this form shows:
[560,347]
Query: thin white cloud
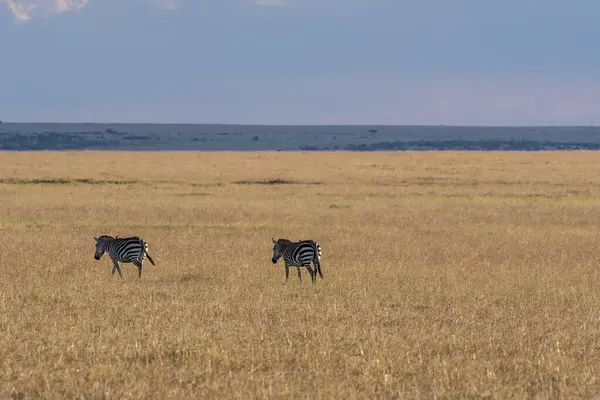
[269,2]
[69,5]
[24,10]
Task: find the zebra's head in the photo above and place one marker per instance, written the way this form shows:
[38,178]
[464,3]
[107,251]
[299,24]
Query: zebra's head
[101,245]
[278,247]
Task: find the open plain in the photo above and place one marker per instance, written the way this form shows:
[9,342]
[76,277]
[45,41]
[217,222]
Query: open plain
[446,275]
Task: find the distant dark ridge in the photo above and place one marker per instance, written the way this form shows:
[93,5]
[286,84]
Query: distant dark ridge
[308,139]
[472,145]
[56,141]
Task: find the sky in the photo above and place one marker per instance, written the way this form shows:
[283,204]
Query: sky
[397,62]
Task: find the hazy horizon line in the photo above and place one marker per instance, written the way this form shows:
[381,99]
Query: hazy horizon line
[292,124]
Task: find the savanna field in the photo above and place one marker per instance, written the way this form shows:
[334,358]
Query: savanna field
[446,275]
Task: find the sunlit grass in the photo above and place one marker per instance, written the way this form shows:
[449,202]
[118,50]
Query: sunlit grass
[448,274]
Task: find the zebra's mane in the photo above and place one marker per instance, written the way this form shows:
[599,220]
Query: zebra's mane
[117,237]
[106,237]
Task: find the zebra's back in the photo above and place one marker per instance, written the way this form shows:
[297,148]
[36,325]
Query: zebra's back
[128,249]
[302,252]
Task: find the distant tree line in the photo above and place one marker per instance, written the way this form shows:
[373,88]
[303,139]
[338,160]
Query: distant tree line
[112,139]
[464,145]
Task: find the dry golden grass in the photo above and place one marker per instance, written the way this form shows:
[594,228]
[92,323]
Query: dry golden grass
[447,275]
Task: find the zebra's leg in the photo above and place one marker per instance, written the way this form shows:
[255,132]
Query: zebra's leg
[313,274]
[116,266]
[287,272]
[299,274]
[138,264]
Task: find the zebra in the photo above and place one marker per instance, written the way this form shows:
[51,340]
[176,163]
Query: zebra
[298,254]
[125,250]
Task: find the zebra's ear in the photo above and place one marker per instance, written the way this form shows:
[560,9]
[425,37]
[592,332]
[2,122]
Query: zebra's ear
[274,241]
[95,238]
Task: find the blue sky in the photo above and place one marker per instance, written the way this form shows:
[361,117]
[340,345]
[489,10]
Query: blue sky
[461,62]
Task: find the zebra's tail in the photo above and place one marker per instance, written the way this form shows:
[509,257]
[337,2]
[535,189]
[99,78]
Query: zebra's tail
[150,259]
[318,259]
[146,251]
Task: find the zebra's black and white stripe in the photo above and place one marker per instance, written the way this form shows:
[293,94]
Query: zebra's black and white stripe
[125,250]
[298,254]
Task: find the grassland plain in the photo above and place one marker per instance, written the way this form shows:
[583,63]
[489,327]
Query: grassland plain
[447,275]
